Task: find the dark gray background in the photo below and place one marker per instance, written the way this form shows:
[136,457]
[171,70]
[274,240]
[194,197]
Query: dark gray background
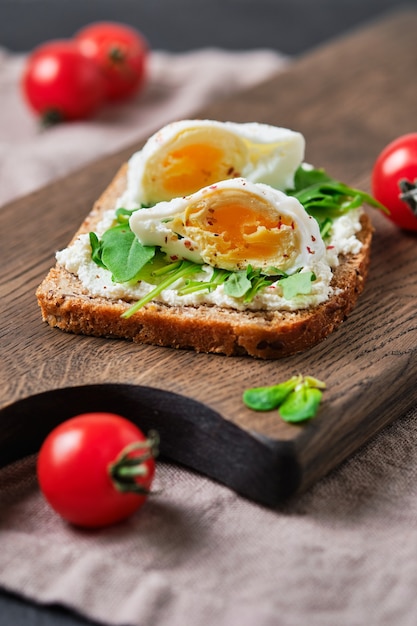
[290,26]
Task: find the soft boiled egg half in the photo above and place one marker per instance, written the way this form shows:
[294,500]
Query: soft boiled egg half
[188,155]
[233,224]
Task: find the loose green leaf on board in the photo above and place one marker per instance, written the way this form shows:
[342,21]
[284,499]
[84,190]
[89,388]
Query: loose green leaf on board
[268,398]
[297,399]
[301,404]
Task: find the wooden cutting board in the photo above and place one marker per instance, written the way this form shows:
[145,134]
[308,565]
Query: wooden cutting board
[349,98]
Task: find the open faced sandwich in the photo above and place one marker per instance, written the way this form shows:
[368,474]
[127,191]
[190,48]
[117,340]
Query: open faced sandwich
[217,237]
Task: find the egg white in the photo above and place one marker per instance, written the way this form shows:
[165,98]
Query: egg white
[264,228]
[188,155]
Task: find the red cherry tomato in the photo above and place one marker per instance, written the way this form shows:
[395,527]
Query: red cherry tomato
[61,84]
[96,469]
[120,51]
[396,163]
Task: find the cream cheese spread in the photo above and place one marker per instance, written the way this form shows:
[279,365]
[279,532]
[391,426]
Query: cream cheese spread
[76,259]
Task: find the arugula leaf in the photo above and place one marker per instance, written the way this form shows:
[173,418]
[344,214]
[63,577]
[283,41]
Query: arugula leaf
[122,254]
[326,198]
[297,284]
[119,250]
[305,176]
[237,284]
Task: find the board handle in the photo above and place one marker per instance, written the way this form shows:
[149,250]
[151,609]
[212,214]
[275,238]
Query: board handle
[191,434]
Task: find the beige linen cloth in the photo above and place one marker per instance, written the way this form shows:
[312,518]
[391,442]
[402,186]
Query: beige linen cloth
[345,553]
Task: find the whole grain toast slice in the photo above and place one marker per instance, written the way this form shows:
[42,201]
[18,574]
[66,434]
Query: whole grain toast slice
[67,305]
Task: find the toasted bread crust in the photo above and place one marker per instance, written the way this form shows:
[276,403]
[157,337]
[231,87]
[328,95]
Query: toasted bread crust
[204,328]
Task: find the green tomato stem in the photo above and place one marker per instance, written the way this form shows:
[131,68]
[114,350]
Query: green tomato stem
[125,468]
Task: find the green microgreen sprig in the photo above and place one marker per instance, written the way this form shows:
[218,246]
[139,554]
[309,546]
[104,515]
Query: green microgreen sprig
[325,198]
[247,283]
[119,251]
[218,277]
[296,399]
[173,273]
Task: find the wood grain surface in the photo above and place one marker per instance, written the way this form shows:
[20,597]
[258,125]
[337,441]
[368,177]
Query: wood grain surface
[349,98]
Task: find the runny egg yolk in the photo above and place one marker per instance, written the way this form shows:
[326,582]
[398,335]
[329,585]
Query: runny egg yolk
[191,160]
[232,232]
[192,167]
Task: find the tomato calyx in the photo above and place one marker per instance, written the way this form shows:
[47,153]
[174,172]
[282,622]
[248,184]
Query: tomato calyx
[409,194]
[51,117]
[117,55]
[127,470]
